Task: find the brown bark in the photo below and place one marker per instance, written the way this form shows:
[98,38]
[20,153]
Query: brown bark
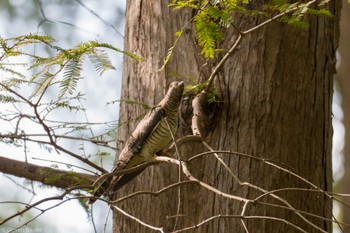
[276,104]
[344,79]
[45,175]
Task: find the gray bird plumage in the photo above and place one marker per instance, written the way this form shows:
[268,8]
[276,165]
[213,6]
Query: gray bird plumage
[151,136]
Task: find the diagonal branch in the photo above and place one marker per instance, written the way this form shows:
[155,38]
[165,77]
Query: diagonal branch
[45,175]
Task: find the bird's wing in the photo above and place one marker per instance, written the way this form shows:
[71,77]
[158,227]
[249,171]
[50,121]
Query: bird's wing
[120,181]
[127,157]
[139,136]
[131,154]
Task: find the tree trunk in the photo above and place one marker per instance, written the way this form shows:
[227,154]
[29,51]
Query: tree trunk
[343,77]
[276,93]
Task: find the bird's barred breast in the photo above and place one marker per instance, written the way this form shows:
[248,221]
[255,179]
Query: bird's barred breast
[159,138]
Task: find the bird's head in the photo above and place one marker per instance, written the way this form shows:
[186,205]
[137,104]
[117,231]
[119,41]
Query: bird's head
[175,91]
[171,101]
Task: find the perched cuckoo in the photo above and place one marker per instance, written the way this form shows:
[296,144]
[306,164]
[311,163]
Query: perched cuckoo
[150,137]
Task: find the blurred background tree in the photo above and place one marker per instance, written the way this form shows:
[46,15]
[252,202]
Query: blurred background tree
[341,141]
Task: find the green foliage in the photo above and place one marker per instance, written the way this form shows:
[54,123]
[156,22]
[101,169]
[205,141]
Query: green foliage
[82,202]
[43,83]
[129,101]
[208,30]
[294,13]
[212,17]
[100,61]
[214,97]
[66,104]
[71,76]
[209,21]
[195,88]
[7,99]
[179,4]
[47,69]
[321,12]
[278,2]
[171,49]
[50,85]
[4,67]
[103,153]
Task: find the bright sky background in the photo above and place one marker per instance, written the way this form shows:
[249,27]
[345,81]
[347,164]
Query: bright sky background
[69,217]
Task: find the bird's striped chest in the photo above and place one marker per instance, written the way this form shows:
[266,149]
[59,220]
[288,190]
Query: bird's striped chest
[159,138]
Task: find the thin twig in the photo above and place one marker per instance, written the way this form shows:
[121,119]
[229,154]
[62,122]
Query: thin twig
[31,206]
[304,212]
[201,183]
[156,193]
[221,63]
[263,191]
[212,218]
[160,229]
[179,173]
[42,211]
[275,17]
[63,163]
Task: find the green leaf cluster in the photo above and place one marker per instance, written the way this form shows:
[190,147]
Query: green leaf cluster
[208,29]
[70,62]
[7,99]
[212,17]
[209,21]
[47,70]
[294,13]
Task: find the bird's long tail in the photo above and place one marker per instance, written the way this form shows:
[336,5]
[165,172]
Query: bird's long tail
[102,189]
[123,180]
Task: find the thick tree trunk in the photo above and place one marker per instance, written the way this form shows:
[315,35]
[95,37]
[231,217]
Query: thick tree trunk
[276,104]
[343,77]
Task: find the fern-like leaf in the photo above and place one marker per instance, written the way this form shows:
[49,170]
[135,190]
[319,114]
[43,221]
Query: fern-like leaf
[11,71]
[179,4]
[130,101]
[71,76]
[14,82]
[95,44]
[170,51]
[322,12]
[100,61]
[43,84]
[207,32]
[7,99]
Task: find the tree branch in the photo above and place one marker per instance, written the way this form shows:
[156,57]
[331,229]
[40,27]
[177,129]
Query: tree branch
[45,175]
[198,119]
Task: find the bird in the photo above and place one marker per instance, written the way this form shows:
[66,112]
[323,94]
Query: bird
[150,137]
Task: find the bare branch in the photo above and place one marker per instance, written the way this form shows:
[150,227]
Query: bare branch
[183,140]
[188,174]
[59,197]
[305,213]
[263,191]
[42,211]
[179,172]
[222,62]
[45,175]
[154,193]
[239,217]
[160,229]
[92,140]
[198,118]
